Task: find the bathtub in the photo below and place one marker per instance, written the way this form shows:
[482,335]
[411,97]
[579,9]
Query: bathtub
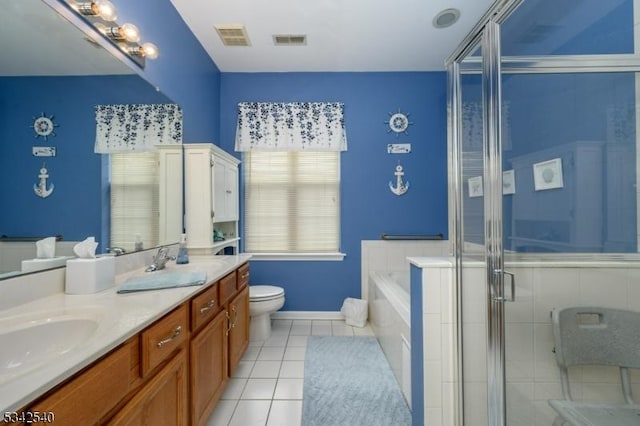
[389,316]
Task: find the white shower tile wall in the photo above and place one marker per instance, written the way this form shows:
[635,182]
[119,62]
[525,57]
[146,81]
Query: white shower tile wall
[531,371]
[438,338]
[391,256]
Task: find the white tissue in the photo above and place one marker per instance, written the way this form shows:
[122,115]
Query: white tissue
[46,248]
[86,249]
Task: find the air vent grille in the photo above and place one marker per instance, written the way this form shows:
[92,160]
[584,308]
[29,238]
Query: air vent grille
[289,39]
[233,35]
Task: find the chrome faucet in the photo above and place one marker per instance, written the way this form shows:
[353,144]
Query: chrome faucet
[160,260]
[116,250]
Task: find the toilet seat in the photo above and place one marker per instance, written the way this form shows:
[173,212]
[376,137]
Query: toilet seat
[262,293]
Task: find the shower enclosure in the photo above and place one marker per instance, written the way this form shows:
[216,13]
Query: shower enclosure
[543,163]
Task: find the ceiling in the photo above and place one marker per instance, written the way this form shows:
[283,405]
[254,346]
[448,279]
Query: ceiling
[36,41]
[342,35]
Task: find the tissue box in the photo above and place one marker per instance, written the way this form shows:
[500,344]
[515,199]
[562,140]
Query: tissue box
[86,276]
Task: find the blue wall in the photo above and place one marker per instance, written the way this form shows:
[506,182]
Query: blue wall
[183,71]
[368,208]
[74,209]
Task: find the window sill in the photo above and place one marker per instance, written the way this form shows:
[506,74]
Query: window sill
[298,256]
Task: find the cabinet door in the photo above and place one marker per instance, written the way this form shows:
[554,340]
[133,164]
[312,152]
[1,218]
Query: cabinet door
[91,395]
[239,334]
[208,371]
[219,191]
[162,401]
[231,192]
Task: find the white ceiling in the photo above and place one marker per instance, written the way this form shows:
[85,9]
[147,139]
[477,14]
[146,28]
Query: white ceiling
[342,35]
[36,41]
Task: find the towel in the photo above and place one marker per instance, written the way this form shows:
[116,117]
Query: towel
[157,281]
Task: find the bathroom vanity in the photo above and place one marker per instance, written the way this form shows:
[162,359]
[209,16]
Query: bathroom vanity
[156,357]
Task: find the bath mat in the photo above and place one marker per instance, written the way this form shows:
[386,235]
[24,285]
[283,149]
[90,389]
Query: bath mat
[348,381]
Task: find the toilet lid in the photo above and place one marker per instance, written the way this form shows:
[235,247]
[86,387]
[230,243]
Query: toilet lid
[261,292]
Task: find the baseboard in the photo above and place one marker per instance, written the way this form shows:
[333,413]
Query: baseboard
[307,315]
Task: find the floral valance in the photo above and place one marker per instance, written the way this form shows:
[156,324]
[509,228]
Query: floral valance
[137,127]
[296,126]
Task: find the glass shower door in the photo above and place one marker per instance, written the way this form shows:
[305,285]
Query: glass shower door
[480,235]
[471,241]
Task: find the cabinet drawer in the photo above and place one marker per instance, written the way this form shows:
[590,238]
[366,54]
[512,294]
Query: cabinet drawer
[243,276]
[227,287]
[92,394]
[163,338]
[204,307]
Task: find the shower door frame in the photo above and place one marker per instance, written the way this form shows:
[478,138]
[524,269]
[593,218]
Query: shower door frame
[491,66]
[485,34]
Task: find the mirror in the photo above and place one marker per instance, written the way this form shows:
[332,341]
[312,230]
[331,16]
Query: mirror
[51,78]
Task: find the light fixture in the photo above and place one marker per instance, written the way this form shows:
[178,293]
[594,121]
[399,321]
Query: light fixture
[101,8]
[125,32]
[446,18]
[146,50]
[101,14]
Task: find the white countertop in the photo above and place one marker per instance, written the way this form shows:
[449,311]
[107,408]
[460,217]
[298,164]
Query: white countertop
[121,316]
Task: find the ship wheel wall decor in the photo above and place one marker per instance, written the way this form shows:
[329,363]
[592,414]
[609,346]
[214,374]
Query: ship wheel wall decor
[398,123]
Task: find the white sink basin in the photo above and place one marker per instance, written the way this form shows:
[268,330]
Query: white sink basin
[28,342]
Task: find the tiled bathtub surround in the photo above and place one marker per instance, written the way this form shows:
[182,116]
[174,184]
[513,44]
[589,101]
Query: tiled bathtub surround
[388,311]
[391,256]
[433,340]
[531,372]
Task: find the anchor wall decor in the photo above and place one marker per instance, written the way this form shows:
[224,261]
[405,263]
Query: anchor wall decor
[401,187]
[41,188]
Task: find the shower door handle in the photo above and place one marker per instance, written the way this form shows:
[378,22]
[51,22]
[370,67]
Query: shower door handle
[513,286]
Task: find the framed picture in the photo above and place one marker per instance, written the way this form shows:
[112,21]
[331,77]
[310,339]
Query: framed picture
[475,187]
[548,175]
[508,182]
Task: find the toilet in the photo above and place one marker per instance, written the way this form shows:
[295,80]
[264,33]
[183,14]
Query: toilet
[263,301]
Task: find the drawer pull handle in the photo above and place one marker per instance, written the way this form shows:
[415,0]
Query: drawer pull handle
[229,326]
[169,339]
[235,316]
[208,307]
[245,276]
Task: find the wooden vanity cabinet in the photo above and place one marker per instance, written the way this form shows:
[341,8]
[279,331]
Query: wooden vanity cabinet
[243,276]
[162,401]
[208,367]
[239,333]
[171,373]
[96,391]
[166,336]
[217,347]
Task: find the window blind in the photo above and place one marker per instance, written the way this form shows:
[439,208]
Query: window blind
[292,201]
[134,199]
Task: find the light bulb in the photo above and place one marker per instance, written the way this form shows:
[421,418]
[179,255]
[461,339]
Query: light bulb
[129,32]
[147,50]
[100,8]
[150,50]
[106,9]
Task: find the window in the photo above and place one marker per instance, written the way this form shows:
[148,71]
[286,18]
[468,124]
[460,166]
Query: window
[134,199]
[292,202]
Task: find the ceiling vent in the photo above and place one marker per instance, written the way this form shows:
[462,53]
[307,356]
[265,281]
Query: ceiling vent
[289,39]
[233,35]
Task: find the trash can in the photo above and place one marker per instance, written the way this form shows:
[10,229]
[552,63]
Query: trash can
[354,311]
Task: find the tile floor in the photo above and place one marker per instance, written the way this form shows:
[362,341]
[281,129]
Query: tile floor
[266,388]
